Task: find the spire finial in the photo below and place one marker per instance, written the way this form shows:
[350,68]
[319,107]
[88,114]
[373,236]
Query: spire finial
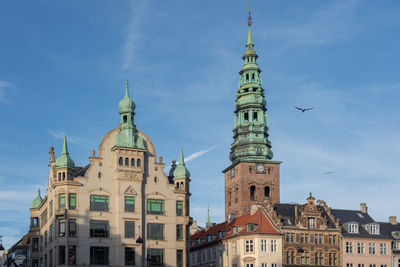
[127,88]
[249,44]
[65,146]
[208,213]
[249,9]
[181,160]
[39,192]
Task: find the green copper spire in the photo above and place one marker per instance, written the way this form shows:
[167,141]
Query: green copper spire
[250,130]
[37,201]
[64,160]
[181,171]
[128,134]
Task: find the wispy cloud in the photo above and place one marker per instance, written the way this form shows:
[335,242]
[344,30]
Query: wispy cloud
[333,22]
[58,134]
[3,86]
[133,33]
[197,154]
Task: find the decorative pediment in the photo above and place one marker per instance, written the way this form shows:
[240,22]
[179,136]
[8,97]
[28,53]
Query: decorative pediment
[130,191]
[396,234]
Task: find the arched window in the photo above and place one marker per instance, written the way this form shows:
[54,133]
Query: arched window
[290,256]
[59,176]
[229,198]
[63,176]
[255,117]
[177,185]
[126,162]
[181,184]
[246,117]
[252,193]
[132,162]
[125,118]
[266,191]
[99,175]
[319,257]
[252,77]
[120,161]
[138,163]
[247,77]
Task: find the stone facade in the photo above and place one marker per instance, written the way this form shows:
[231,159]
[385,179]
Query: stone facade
[120,210]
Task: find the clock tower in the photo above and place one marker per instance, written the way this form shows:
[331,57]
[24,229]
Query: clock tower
[253,176]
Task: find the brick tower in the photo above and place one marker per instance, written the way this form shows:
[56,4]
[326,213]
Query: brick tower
[252,176]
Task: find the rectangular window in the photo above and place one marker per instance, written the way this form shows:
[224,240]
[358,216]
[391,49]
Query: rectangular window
[155,206]
[306,238]
[129,204]
[51,233]
[264,245]
[72,227]
[234,248]
[43,217]
[349,247]
[274,245]
[334,239]
[155,257]
[51,258]
[179,208]
[72,255]
[51,208]
[61,201]
[372,248]
[61,255]
[35,244]
[349,264]
[72,201]
[249,246]
[99,203]
[61,227]
[99,229]
[179,258]
[330,239]
[383,249]
[129,229]
[360,248]
[320,239]
[287,237]
[311,223]
[129,256]
[301,238]
[249,264]
[99,255]
[155,231]
[179,232]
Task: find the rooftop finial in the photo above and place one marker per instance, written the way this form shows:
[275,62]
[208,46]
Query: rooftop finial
[249,9]
[249,44]
[127,88]
[208,213]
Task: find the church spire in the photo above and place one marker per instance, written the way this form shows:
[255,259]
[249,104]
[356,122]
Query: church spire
[64,160]
[251,142]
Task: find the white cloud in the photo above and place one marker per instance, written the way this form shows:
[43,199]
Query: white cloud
[3,86]
[58,134]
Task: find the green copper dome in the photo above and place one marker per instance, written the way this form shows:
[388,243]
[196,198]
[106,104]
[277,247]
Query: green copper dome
[64,160]
[126,104]
[181,171]
[37,201]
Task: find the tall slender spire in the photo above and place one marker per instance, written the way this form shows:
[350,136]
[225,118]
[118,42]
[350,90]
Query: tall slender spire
[65,147]
[251,142]
[64,160]
[208,213]
[181,171]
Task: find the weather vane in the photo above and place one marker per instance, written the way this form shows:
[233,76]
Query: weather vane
[249,9]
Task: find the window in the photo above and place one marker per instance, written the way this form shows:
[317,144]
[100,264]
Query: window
[319,258]
[50,258]
[155,231]
[125,118]
[155,206]
[301,238]
[321,239]
[138,164]
[306,238]
[255,116]
[126,162]
[120,161]
[72,201]
[334,239]
[51,208]
[349,264]
[234,248]
[330,239]
[98,203]
[273,265]
[72,255]
[129,256]
[266,191]
[129,204]
[251,227]
[383,249]
[35,244]
[353,228]
[249,264]
[373,229]
[249,246]
[372,248]
[179,232]
[99,255]
[51,233]
[72,227]
[61,227]
[155,257]
[311,223]
[349,247]
[179,258]
[246,117]
[133,162]
[332,258]
[61,201]
[360,248]
[290,256]
[252,193]
[179,208]
[274,245]
[61,254]
[99,229]
[129,229]
[263,245]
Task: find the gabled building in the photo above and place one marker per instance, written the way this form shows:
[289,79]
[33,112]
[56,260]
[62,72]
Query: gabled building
[312,235]
[247,241]
[119,210]
[392,229]
[363,242]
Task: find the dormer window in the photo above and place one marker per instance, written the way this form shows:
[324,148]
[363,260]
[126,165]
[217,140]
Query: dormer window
[311,223]
[235,230]
[373,229]
[251,227]
[353,228]
[220,234]
[209,238]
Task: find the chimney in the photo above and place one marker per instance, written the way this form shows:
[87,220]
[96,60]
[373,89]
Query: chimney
[231,217]
[363,207]
[393,220]
[254,209]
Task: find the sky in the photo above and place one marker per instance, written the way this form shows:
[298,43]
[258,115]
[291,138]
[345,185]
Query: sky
[63,66]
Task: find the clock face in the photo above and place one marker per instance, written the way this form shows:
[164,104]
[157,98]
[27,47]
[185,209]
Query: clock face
[260,168]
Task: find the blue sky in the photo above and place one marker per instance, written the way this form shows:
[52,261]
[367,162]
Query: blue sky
[63,66]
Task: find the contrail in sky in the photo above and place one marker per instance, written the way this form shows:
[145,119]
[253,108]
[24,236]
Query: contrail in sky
[197,154]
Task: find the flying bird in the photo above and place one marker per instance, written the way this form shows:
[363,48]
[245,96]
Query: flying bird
[328,172]
[303,109]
